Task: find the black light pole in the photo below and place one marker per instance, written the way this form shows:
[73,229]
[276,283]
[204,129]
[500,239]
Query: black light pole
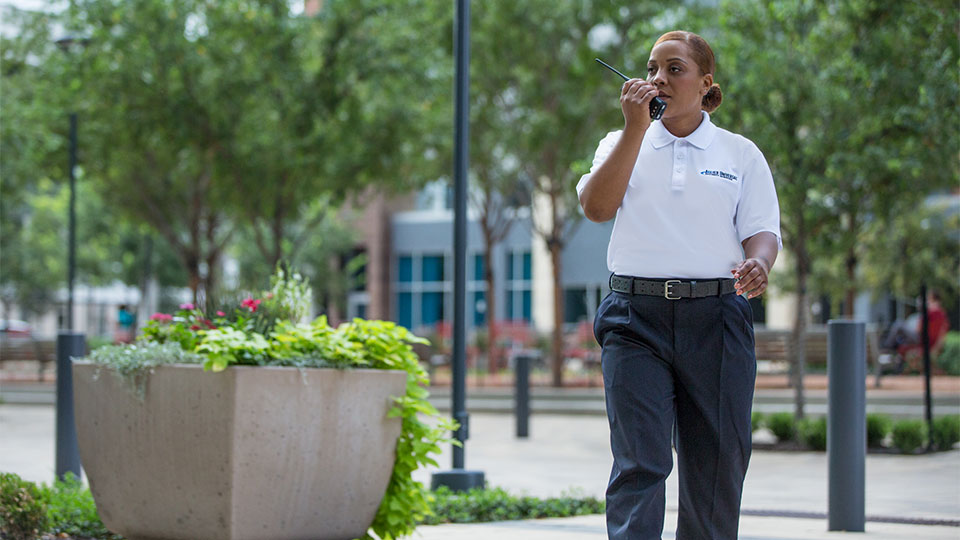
[70,344]
[459,479]
[72,223]
[925,341]
[64,43]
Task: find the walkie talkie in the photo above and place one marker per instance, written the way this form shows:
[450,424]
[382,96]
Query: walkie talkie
[657,105]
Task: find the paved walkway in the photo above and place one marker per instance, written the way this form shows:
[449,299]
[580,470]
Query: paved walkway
[571,453]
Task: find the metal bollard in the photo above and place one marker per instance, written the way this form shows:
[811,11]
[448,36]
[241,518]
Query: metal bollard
[69,344]
[522,394]
[846,425]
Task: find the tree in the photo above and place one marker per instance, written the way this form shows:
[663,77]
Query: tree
[818,87]
[769,56]
[222,114]
[556,104]
[350,98]
[896,135]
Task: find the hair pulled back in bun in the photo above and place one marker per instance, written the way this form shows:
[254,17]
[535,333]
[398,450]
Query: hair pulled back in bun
[711,100]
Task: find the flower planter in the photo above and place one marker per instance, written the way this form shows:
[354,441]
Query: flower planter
[248,453]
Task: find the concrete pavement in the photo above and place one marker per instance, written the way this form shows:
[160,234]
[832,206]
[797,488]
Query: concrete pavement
[571,453]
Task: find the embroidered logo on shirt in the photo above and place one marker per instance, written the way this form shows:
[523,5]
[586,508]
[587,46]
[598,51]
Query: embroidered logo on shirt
[721,174]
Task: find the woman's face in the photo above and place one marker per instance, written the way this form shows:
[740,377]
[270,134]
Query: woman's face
[673,71]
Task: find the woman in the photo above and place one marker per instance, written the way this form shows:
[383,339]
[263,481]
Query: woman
[697,230]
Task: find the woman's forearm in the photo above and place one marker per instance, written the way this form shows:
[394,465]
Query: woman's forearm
[603,194]
[763,246]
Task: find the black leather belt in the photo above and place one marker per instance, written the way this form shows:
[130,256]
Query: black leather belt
[672,289]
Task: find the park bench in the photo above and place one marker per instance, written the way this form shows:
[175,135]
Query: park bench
[774,347]
[28,349]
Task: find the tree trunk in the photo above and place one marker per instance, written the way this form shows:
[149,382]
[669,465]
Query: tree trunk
[797,338]
[851,266]
[493,353]
[556,252]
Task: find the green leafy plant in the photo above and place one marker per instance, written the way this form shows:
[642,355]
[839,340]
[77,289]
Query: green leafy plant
[949,358]
[495,504]
[878,427]
[757,420]
[22,513]
[783,426]
[813,432]
[946,431]
[133,363]
[268,331]
[909,435]
[72,511]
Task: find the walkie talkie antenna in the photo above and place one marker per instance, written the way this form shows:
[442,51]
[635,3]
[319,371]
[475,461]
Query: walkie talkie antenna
[611,68]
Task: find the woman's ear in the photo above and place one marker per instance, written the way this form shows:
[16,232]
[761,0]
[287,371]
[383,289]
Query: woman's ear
[707,81]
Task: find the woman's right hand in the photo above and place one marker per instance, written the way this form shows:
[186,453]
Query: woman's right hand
[635,99]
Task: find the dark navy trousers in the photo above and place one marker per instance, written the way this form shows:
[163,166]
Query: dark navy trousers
[689,361]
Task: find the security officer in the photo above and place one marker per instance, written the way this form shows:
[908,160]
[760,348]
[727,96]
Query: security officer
[697,230]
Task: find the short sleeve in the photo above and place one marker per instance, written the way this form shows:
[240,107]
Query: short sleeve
[758,209]
[603,150]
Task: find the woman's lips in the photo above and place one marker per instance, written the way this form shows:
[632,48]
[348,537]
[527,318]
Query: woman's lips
[662,95]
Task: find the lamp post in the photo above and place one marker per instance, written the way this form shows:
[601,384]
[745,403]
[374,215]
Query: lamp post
[65,43]
[459,479]
[70,344]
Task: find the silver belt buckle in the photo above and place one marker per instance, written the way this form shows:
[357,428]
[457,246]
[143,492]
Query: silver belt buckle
[667,291]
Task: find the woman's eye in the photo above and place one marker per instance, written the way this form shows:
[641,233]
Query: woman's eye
[675,69]
[650,70]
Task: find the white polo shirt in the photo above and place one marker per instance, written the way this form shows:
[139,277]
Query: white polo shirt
[691,201]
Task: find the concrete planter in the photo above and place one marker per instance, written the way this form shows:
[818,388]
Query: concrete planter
[248,453]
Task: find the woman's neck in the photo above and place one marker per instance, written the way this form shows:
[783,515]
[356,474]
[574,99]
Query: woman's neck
[683,126]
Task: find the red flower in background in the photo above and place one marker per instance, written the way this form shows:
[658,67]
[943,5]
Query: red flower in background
[250,304]
[221,314]
[161,317]
[187,306]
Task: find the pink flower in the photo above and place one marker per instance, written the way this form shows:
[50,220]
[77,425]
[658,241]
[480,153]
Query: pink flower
[161,317]
[221,314]
[250,304]
[188,305]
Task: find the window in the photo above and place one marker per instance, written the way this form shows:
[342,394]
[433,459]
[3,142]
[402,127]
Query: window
[433,268]
[478,267]
[405,267]
[518,297]
[479,308]
[405,309]
[431,308]
[574,305]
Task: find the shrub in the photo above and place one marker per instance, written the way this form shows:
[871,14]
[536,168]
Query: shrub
[782,425]
[495,504]
[71,510]
[814,433]
[946,431]
[908,435]
[949,358]
[878,426]
[22,514]
[756,421]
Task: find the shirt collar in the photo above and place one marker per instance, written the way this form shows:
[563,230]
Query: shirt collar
[701,137]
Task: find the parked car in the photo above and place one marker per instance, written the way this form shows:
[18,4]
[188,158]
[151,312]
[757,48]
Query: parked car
[15,328]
